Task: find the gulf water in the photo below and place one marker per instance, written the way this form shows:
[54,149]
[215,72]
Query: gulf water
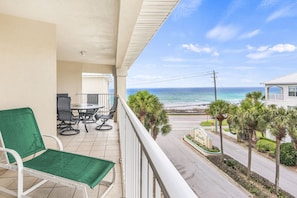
[183,97]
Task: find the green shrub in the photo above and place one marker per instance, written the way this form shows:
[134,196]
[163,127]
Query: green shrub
[213,149]
[287,154]
[207,123]
[230,162]
[211,122]
[265,145]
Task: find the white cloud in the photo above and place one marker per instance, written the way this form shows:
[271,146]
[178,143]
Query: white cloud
[266,51]
[262,48]
[215,53]
[250,34]
[268,3]
[186,8]
[283,48]
[222,33]
[258,55]
[196,48]
[287,11]
[249,47]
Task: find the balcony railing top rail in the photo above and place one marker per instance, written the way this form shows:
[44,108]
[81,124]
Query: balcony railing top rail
[147,172]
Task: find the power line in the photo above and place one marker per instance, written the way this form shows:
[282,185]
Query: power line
[175,78]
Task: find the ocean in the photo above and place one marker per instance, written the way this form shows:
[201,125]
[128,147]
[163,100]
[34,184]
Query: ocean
[189,97]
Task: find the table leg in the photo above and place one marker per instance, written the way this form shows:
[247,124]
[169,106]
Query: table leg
[86,127]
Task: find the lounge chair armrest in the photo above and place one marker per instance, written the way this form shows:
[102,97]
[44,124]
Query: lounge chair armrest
[20,169]
[16,156]
[58,141]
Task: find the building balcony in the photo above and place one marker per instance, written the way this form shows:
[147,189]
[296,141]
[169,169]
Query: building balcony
[142,169]
[275,96]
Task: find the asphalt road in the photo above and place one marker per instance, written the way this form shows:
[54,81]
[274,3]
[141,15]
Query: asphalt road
[203,177]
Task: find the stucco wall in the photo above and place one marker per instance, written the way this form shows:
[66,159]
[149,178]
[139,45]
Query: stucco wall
[95,84]
[28,68]
[69,77]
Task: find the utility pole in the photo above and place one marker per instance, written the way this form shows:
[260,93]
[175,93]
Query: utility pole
[215,84]
[215,93]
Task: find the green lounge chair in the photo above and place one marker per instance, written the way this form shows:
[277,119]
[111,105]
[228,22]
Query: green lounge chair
[20,138]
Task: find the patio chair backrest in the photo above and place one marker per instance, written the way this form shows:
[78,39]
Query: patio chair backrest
[64,109]
[92,98]
[115,103]
[20,132]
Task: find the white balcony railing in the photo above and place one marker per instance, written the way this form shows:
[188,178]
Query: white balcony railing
[147,172]
[276,96]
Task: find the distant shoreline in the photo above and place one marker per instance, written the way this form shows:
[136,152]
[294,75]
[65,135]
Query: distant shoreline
[187,109]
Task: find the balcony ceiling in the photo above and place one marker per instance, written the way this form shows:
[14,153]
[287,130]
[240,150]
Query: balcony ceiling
[112,32]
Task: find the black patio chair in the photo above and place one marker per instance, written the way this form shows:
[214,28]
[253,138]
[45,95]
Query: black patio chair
[90,113]
[101,119]
[66,117]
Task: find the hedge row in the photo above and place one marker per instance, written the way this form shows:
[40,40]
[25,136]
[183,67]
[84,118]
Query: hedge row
[238,171]
[266,145]
[288,154]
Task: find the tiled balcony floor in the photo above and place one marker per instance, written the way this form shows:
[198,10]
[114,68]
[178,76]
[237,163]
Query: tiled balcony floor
[101,144]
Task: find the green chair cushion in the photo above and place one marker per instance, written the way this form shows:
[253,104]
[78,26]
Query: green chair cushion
[72,166]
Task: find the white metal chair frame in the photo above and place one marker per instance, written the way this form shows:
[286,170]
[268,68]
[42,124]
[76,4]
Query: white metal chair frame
[21,170]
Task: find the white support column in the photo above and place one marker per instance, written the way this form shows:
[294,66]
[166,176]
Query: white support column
[121,75]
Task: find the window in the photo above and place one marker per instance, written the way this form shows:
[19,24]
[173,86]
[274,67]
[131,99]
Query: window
[292,90]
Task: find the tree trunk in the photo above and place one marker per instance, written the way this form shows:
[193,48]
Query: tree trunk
[142,119]
[221,140]
[153,133]
[295,144]
[249,154]
[277,162]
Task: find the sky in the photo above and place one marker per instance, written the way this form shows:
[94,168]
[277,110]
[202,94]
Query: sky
[244,42]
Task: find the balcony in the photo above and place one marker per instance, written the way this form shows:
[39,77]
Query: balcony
[142,169]
[276,96]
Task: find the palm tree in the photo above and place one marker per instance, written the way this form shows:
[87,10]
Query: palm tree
[219,110]
[141,103]
[236,118]
[150,111]
[293,126]
[232,115]
[257,99]
[247,118]
[157,121]
[251,113]
[256,96]
[279,124]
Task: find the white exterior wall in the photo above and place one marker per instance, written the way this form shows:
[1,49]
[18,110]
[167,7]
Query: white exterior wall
[95,84]
[287,100]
